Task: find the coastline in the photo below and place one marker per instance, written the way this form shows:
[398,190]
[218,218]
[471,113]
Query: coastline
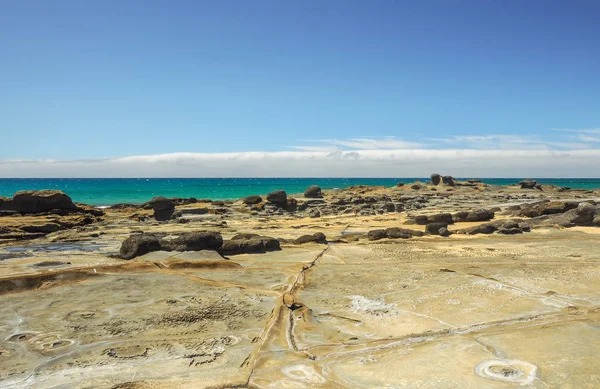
[355,287]
[110,191]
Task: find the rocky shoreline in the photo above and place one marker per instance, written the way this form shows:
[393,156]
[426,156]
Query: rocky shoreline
[239,280]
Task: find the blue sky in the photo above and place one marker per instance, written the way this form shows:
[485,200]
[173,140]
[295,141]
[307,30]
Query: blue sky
[107,79]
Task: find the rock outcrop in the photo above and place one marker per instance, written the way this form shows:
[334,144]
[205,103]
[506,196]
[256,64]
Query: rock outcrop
[436,179]
[278,197]
[36,201]
[163,208]
[528,184]
[449,180]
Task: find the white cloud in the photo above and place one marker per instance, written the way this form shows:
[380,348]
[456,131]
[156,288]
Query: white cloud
[356,163]
[587,138]
[385,143]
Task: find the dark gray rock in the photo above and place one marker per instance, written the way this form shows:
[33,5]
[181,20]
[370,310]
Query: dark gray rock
[139,244]
[278,197]
[313,192]
[252,200]
[194,241]
[528,184]
[435,179]
[401,233]
[163,208]
[434,228]
[449,180]
[318,237]
[45,228]
[376,234]
[478,215]
[36,201]
[488,228]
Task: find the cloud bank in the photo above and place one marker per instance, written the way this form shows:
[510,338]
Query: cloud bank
[339,163]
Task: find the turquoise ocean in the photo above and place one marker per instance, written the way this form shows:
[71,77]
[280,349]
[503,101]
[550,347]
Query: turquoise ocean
[108,191]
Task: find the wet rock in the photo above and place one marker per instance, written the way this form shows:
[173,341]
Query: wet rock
[436,179]
[252,200]
[163,208]
[528,184]
[318,237]
[139,244]
[278,197]
[36,201]
[434,228]
[376,234]
[43,228]
[194,241]
[313,192]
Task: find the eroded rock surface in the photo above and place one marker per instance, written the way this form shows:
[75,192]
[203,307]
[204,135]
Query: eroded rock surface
[502,292]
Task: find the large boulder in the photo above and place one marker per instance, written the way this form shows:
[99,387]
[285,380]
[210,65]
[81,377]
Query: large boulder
[278,197]
[249,244]
[4,203]
[434,228]
[435,179]
[139,244]
[163,208]
[318,237]
[487,228]
[313,192]
[528,184]
[376,234]
[401,233]
[194,241]
[35,201]
[252,200]
[449,180]
[437,218]
[478,215]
